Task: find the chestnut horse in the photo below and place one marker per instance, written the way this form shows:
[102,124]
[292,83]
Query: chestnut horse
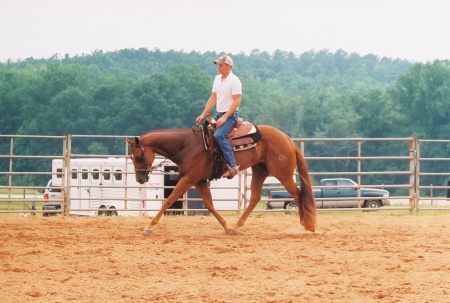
[275,154]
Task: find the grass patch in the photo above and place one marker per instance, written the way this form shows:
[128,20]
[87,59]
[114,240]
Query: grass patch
[20,207]
[18,191]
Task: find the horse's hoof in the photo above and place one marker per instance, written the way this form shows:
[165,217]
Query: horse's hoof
[231,232]
[147,231]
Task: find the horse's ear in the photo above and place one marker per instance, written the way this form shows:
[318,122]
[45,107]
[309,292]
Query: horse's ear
[128,141]
[137,141]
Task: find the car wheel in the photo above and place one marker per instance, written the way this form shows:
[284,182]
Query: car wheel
[372,204]
[291,208]
[102,212]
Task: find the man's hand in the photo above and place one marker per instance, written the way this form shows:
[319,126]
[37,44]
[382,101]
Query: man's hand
[220,121]
[199,119]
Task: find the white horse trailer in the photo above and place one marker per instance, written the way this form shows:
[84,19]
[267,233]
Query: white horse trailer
[107,186]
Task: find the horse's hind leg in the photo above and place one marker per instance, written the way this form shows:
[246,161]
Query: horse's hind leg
[259,174]
[204,191]
[292,188]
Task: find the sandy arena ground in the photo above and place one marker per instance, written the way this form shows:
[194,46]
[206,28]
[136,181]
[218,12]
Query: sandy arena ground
[351,258]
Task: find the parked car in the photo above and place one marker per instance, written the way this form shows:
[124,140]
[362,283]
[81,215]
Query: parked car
[339,188]
[51,193]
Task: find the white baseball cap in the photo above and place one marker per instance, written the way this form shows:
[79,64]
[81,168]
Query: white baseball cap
[224,60]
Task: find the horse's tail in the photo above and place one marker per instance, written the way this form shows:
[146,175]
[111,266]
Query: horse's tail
[307,209]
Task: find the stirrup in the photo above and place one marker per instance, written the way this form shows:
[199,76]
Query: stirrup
[231,172]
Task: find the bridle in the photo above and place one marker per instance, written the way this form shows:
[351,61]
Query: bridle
[147,168]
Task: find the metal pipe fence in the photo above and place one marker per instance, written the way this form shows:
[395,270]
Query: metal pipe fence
[406,166]
[430,174]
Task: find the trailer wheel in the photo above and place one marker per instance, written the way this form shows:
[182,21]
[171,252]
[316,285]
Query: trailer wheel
[112,212]
[102,212]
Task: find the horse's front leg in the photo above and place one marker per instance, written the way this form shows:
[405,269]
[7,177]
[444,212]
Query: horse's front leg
[204,191]
[182,186]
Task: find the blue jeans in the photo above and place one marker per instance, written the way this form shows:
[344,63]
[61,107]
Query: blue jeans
[221,134]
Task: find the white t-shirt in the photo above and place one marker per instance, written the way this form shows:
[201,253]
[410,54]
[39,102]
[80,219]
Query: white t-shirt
[224,91]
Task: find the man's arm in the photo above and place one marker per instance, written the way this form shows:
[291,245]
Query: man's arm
[208,107]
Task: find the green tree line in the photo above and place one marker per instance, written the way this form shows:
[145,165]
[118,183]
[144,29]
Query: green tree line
[317,94]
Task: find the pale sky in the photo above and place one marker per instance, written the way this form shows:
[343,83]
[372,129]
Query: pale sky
[415,30]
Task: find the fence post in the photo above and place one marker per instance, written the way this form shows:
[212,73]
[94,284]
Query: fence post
[240,195]
[414,151]
[65,175]
[11,152]
[431,194]
[358,147]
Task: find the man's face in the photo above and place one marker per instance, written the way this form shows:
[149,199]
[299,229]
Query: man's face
[223,68]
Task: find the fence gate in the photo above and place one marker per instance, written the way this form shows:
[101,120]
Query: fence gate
[433,174]
[19,170]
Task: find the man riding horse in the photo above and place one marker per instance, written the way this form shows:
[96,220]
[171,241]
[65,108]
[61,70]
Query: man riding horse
[226,95]
[276,154]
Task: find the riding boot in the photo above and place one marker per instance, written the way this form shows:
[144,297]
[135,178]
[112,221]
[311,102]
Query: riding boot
[231,172]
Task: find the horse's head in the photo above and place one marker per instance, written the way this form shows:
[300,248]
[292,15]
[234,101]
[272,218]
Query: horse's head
[142,159]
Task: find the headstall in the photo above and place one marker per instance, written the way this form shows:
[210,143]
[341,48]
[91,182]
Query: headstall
[148,169]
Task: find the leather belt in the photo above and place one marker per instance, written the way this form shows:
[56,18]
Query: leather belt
[225,112]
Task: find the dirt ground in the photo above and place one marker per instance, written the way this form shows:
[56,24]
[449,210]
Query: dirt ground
[350,258]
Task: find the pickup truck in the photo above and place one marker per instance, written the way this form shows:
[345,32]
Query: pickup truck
[51,193]
[332,194]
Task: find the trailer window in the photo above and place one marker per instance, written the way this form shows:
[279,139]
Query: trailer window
[74,174]
[59,173]
[118,174]
[95,174]
[106,174]
[173,175]
[84,175]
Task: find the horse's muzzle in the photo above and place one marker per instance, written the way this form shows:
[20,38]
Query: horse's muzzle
[142,178]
